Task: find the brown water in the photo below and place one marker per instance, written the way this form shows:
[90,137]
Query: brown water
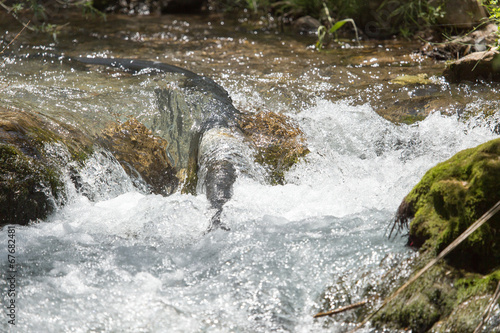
[284,70]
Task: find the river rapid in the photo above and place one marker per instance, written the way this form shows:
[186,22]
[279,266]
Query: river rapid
[134,262]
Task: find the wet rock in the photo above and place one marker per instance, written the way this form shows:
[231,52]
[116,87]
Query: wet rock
[181,6]
[31,185]
[453,295]
[475,66]
[449,198]
[476,41]
[278,140]
[305,25]
[141,154]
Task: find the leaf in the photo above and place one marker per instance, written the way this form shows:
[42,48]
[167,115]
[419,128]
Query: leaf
[339,25]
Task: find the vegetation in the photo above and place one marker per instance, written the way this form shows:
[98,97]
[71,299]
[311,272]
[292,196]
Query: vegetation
[493,7]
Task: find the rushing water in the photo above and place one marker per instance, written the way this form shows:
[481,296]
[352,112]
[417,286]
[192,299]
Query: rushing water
[135,262]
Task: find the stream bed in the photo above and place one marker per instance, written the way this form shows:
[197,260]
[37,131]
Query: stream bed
[135,262]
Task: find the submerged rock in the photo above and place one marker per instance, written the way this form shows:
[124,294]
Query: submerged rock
[38,156]
[141,154]
[453,295]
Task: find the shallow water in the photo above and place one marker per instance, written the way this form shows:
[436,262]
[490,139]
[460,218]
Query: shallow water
[135,262]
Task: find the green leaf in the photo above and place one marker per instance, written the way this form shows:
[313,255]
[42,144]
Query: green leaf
[339,25]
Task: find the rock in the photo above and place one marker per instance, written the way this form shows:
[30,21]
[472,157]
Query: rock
[278,141]
[141,154]
[181,6]
[462,14]
[449,198]
[31,185]
[453,295]
[475,66]
[306,25]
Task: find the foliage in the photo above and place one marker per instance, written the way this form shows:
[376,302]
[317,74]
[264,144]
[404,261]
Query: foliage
[333,29]
[493,7]
[37,12]
[407,17]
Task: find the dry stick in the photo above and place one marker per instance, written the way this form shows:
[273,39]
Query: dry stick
[486,314]
[345,308]
[12,41]
[440,256]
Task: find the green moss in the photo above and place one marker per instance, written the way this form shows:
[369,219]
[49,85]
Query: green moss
[451,296]
[450,197]
[422,304]
[29,188]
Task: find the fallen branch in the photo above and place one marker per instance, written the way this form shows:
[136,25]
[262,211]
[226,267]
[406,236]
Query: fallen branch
[339,310]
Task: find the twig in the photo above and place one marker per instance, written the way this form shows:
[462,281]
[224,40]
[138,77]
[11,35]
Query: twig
[493,210]
[15,16]
[339,310]
[19,33]
[487,313]
[12,41]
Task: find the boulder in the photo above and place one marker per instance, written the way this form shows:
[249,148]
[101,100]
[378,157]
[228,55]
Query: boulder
[461,14]
[449,198]
[33,150]
[475,66]
[305,25]
[453,295]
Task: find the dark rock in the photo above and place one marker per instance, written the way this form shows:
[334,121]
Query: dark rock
[475,66]
[462,14]
[306,25]
[181,6]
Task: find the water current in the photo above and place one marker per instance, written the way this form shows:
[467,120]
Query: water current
[135,262]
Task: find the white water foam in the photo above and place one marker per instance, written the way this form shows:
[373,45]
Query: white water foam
[141,263]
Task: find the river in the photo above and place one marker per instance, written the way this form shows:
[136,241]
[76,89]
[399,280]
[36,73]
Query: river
[134,262]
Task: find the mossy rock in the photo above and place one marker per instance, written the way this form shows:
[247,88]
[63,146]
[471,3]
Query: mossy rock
[31,185]
[449,198]
[141,153]
[29,188]
[444,299]
[278,140]
[453,295]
